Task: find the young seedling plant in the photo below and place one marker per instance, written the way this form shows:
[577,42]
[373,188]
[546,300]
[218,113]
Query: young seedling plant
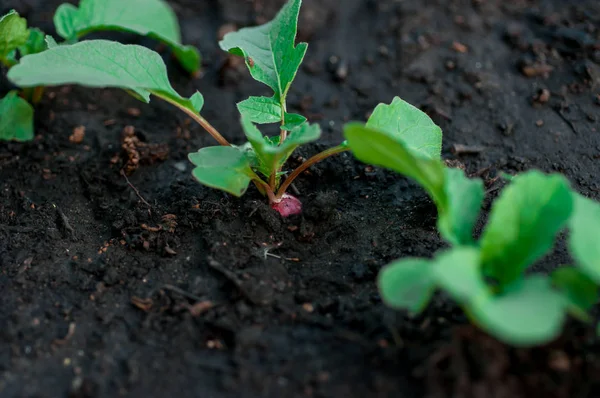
[16,113]
[487,277]
[152,18]
[272,58]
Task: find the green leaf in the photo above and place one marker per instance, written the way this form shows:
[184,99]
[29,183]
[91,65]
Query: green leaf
[524,223]
[152,18]
[263,110]
[222,167]
[16,118]
[100,63]
[458,272]
[580,291]
[50,42]
[584,240]
[269,50]
[410,125]
[197,101]
[36,43]
[387,150]
[13,33]
[460,211]
[269,153]
[293,121]
[407,284]
[530,315]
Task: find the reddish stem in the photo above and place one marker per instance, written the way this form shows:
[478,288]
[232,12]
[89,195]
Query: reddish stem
[304,166]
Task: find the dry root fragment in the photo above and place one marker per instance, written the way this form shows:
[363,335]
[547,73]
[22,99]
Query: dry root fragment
[78,135]
[138,152]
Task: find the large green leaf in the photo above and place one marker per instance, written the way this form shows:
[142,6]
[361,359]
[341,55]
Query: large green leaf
[531,314]
[270,51]
[410,125]
[524,223]
[100,63]
[460,211]
[407,284]
[16,118]
[13,34]
[584,241]
[153,18]
[265,110]
[383,149]
[458,272]
[579,290]
[222,167]
[270,154]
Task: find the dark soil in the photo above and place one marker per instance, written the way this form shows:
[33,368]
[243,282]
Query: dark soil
[189,292]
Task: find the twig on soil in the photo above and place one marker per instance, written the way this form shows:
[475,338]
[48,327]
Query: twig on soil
[569,122]
[460,149]
[137,192]
[294,259]
[182,292]
[70,334]
[64,221]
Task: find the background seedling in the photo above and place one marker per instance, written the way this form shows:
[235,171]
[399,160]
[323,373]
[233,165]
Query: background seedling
[16,114]
[152,18]
[488,277]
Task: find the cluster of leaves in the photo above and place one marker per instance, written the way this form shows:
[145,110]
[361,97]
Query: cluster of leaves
[16,114]
[152,18]
[273,58]
[486,277]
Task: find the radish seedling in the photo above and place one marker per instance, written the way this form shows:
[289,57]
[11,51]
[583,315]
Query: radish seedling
[487,277]
[273,58]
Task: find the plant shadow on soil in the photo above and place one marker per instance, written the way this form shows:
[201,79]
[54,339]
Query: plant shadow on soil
[192,293]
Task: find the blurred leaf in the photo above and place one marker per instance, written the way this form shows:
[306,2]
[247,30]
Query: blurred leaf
[407,284]
[16,118]
[580,291]
[152,18]
[584,241]
[13,34]
[531,314]
[524,223]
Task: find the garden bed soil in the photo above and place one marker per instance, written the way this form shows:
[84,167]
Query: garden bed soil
[155,286]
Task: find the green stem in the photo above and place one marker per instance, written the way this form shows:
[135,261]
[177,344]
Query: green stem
[267,188]
[283,134]
[199,119]
[310,162]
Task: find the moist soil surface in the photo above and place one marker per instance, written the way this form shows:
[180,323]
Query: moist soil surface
[152,285]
